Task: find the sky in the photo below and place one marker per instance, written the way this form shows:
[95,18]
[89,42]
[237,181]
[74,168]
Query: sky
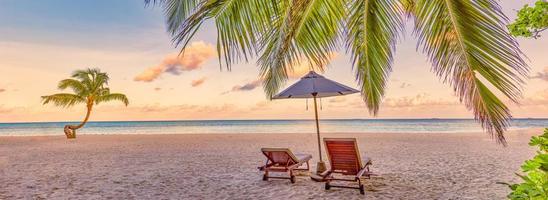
[43,42]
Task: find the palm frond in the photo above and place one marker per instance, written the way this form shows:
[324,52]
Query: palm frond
[466,41]
[112,97]
[88,84]
[185,18]
[240,24]
[176,11]
[63,99]
[372,29]
[91,79]
[408,7]
[303,28]
[467,44]
[73,84]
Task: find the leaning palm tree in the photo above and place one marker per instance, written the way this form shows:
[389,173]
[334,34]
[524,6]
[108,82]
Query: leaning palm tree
[90,88]
[465,40]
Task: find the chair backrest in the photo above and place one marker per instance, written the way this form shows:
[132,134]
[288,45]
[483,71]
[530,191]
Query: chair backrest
[343,155]
[281,156]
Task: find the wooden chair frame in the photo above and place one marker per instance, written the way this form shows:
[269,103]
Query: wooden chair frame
[363,172]
[291,164]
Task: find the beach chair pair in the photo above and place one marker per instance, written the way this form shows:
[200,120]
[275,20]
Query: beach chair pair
[344,158]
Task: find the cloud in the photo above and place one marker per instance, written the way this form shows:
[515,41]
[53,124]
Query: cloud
[198,82]
[189,108]
[299,69]
[194,56]
[157,89]
[5,110]
[2,90]
[259,106]
[422,99]
[541,75]
[405,85]
[247,87]
[540,98]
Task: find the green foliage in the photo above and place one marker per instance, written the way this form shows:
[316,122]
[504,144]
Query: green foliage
[89,86]
[466,41]
[531,20]
[535,185]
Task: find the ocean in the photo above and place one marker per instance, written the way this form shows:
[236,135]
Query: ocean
[263,126]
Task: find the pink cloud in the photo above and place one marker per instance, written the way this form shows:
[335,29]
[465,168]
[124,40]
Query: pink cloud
[245,87]
[248,86]
[194,56]
[259,106]
[540,98]
[405,85]
[300,68]
[198,82]
[189,108]
[541,75]
[5,110]
[417,100]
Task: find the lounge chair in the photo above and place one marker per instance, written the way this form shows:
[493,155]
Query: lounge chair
[283,160]
[344,158]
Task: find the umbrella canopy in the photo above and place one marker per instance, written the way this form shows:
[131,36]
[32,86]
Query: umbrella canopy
[314,84]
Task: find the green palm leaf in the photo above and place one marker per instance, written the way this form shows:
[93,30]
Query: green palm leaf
[239,26]
[90,87]
[112,97]
[372,30]
[73,84]
[63,99]
[465,40]
[303,28]
[469,48]
[239,23]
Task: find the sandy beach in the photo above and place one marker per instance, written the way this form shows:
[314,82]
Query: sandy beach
[224,166]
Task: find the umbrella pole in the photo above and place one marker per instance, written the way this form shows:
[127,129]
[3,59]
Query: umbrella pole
[320,167]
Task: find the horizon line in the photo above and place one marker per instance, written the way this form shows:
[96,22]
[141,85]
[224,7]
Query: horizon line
[294,119]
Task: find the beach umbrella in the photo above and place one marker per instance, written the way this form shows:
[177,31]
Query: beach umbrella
[314,86]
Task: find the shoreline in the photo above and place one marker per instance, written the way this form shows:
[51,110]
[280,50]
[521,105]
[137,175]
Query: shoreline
[281,119]
[510,131]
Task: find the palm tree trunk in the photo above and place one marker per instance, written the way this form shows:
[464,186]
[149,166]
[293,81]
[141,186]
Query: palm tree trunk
[70,130]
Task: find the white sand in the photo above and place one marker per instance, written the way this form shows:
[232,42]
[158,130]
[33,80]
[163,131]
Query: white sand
[224,166]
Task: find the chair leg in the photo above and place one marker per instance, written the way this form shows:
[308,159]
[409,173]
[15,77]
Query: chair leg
[292,177]
[265,176]
[361,187]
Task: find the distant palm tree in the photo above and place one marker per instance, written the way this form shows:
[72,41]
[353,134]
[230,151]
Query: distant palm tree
[89,87]
[466,41]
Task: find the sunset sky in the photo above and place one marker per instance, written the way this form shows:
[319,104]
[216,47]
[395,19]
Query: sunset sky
[43,42]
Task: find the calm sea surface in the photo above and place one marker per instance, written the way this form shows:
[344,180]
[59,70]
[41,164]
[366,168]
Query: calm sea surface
[264,126]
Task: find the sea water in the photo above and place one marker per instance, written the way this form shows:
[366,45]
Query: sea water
[263,126]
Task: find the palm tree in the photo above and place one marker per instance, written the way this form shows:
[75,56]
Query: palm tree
[89,87]
[465,40]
